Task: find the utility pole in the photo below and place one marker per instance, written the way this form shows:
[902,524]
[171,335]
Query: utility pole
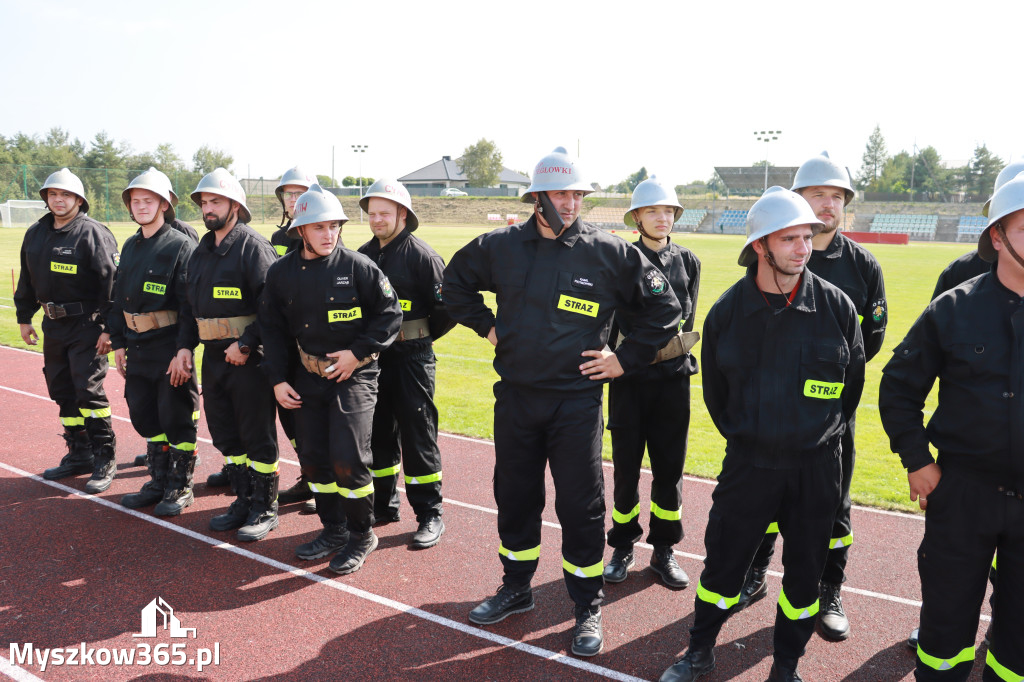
[360,149]
[766,136]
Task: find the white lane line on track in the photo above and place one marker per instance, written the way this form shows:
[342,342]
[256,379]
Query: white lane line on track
[553,656]
[15,672]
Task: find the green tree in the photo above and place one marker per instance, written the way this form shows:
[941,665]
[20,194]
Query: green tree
[481,163]
[629,184]
[929,176]
[895,175]
[206,159]
[873,161]
[350,181]
[326,181]
[168,160]
[982,170]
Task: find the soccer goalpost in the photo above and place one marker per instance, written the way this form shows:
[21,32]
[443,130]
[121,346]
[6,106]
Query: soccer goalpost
[21,212]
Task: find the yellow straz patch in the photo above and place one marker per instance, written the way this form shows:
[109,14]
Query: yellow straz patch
[154,288]
[344,315]
[64,268]
[406,305]
[822,390]
[227,292]
[578,305]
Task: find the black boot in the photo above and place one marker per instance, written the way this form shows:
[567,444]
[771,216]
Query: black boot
[784,672]
[104,467]
[507,601]
[220,478]
[832,623]
[587,634]
[663,562]
[79,458]
[755,587]
[263,511]
[332,538]
[694,664]
[143,459]
[618,568]
[238,512]
[352,557]
[297,493]
[178,490]
[429,533]
[157,461]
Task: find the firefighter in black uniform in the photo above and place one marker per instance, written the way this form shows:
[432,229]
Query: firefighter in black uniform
[342,311]
[846,264]
[972,339]
[650,408]
[68,263]
[558,282]
[405,411]
[783,369]
[143,332]
[225,277]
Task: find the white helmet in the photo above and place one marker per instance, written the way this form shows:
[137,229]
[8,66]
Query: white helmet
[157,183]
[1009,198]
[316,205]
[294,176]
[386,188]
[821,171]
[777,209]
[67,181]
[651,192]
[1008,173]
[223,183]
[556,171]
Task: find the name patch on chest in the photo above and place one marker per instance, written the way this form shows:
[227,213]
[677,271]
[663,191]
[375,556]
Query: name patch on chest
[154,288]
[822,390]
[343,280]
[344,315]
[227,292]
[63,268]
[578,306]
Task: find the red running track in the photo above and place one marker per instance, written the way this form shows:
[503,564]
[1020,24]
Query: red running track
[77,569]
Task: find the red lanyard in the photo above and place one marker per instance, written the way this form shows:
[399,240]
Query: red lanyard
[792,294]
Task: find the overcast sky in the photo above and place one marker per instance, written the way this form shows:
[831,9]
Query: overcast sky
[677,87]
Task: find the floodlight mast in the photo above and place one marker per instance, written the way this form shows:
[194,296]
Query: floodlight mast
[766,136]
[360,148]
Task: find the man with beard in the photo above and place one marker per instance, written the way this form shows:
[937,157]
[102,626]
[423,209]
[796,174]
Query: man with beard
[143,325]
[68,263]
[846,264]
[226,273]
[783,369]
[405,411]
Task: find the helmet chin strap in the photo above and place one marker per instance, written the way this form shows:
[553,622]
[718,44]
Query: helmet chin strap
[770,259]
[1009,247]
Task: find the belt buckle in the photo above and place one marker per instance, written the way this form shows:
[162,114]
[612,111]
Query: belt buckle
[54,311]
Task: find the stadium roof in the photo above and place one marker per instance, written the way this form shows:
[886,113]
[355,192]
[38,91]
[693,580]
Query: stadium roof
[447,170]
[750,179]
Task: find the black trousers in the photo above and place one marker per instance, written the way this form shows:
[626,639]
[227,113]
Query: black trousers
[842,528]
[287,417]
[75,374]
[967,522]
[333,428]
[533,429]
[405,430]
[239,406]
[652,416]
[156,408]
[745,501]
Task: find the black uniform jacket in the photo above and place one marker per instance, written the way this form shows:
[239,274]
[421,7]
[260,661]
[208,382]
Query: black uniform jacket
[338,302]
[967,266]
[852,268]
[972,339]
[75,264]
[555,300]
[416,272]
[225,281]
[282,242]
[151,277]
[780,385]
[681,268]
[186,229]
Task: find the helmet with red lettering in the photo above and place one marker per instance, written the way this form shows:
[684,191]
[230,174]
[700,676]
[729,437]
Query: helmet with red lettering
[556,171]
[1009,172]
[777,209]
[67,181]
[293,176]
[821,171]
[386,188]
[316,205]
[1009,198]
[157,183]
[223,183]
[651,192]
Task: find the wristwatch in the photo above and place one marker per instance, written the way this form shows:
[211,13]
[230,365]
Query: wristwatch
[244,350]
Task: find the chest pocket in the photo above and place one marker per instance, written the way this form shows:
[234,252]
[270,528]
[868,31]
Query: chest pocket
[341,303]
[823,370]
[579,299]
[973,361]
[64,261]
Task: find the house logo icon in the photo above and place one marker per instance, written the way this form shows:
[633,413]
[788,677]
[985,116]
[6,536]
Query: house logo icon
[158,611]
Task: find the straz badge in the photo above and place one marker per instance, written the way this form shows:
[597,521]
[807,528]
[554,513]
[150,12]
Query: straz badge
[578,306]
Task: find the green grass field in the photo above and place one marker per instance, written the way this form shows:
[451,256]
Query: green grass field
[465,376]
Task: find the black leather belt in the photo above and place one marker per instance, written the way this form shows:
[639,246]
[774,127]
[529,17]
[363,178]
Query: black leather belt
[55,311]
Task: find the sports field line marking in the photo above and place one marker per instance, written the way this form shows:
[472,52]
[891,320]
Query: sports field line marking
[16,672]
[508,642]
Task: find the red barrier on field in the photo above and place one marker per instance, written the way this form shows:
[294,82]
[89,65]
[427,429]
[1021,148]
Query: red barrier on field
[879,237]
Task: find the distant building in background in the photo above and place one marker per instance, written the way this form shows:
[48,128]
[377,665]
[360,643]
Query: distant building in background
[446,173]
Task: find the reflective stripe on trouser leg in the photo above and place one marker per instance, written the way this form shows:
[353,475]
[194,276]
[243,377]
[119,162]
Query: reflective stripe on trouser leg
[796,612]
[936,663]
[98,413]
[72,422]
[531,554]
[666,514]
[715,599]
[1000,670]
[840,543]
[592,571]
[162,438]
[620,517]
[263,467]
[421,480]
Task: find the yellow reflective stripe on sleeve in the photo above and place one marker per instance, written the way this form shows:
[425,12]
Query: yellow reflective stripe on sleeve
[406,305]
[1001,670]
[532,554]
[344,315]
[773,527]
[101,413]
[860,319]
[706,595]
[796,613]
[162,438]
[619,517]
[578,306]
[292,441]
[195,416]
[323,487]
[994,560]
[666,514]
[63,268]
[184,447]
[281,249]
[263,467]
[72,421]
[823,390]
[945,663]
[839,543]
[384,473]
[227,292]
[592,571]
[356,493]
[419,480]
[238,459]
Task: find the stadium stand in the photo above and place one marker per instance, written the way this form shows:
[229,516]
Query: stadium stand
[691,219]
[970,227]
[917,226]
[732,222]
[749,180]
